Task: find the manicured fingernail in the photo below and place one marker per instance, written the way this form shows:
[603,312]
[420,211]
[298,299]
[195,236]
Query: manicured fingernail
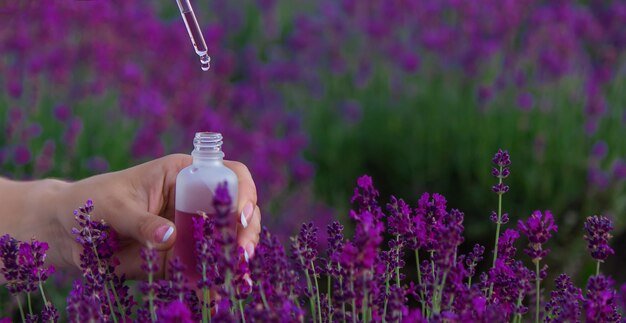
[244,222]
[249,251]
[163,233]
[246,214]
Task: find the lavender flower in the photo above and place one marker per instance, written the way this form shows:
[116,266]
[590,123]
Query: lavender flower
[537,228]
[473,258]
[597,235]
[304,251]
[564,305]
[83,306]
[150,266]
[97,262]
[502,160]
[366,197]
[505,245]
[175,312]
[601,302]
[9,249]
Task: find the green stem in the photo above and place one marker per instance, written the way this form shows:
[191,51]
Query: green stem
[263,298]
[495,248]
[19,304]
[30,308]
[317,287]
[537,281]
[151,298]
[398,260]
[243,318]
[518,316]
[598,269]
[419,280]
[365,300]
[117,301]
[432,263]
[353,302]
[328,293]
[312,298]
[43,295]
[106,290]
[438,294]
[343,304]
[206,311]
[386,295]
[498,224]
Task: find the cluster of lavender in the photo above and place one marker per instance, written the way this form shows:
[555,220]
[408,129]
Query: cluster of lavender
[364,280]
[22,265]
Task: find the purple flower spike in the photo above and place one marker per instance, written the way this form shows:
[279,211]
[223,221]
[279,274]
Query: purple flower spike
[502,158]
[365,195]
[175,312]
[537,228]
[565,303]
[601,303]
[506,250]
[597,235]
[500,188]
[473,258]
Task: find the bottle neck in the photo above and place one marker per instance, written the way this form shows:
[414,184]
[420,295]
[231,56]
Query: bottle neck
[207,148]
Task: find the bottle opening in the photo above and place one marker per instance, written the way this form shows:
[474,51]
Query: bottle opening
[208,144]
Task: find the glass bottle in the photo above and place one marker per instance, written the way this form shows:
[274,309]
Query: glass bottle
[195,187]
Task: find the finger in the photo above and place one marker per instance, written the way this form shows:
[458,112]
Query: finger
[247,197]
[248,237]
[145,227]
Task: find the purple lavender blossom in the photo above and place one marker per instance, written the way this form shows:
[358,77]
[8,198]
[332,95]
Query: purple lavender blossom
[366,196]
[473,258]
[597,234]
[564,305]
[502,160]
[98,263]
[175,312]
[601,301]
[82,306]
[504,218]
[506,250]
[9,249]
[537,228]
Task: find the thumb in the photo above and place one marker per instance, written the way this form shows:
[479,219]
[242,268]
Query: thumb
[146,228]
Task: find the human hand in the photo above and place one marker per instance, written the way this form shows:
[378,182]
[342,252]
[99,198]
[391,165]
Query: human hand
[138,203]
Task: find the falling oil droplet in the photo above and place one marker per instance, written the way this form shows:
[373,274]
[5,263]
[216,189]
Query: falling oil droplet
[205,62]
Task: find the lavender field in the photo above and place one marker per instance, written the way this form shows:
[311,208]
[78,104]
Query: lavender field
[417,94]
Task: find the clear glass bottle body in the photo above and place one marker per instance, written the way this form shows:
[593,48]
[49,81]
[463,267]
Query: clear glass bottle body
[195,187]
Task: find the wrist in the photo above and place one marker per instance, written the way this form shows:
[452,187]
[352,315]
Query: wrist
[48,221]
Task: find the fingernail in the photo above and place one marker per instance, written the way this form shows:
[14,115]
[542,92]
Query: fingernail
[244,222]
[246,214]
[163,233]
[249,251]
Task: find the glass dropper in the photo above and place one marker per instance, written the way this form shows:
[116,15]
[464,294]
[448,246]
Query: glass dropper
[194,33]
